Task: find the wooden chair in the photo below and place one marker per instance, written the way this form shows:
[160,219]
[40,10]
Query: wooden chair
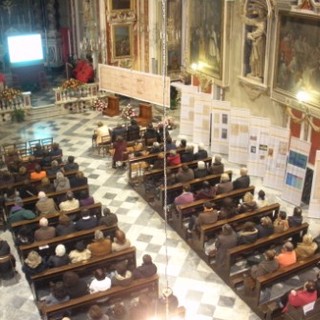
[33,143]
[105,145]
[47,141]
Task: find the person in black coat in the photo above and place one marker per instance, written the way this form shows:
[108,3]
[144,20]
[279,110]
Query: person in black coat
[151,133]
[187,155]
[71,165]
[133,131]
[75,286]
[33,264]
[265,228]
[243,181]
[60,258]
[248,234]
[147,269]
[78,180]
[296,219]
[201,154]
[65,226]
[86,222]
[119,130]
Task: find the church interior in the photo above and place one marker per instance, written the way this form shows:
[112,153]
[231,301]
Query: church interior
[236,78]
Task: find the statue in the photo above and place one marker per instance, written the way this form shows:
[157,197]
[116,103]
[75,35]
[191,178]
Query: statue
[258,41]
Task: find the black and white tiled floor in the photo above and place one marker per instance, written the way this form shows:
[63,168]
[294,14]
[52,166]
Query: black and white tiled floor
[198,288]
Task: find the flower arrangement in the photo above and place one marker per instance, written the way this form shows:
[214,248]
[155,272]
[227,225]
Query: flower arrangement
[71,84]
[99,105]
[9,94]
[128,112]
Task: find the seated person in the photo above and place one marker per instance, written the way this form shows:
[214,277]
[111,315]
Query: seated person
[22,174]
[85,199]
[18,213]
[265,228]
[201,170]
[71,165]
[78,180]
[296,219]
[38,151]
[120,242]
[38,173]
[24,236]
[156,148]
[65,225]
[185,174]
[108,218]
[58,294]
[100,282]
[87,221]
[173,158]
[243,181]
[7,266]
[170,145]
[52,171]
[46,186]
[119,130]
[248,204]
[281,222]
[101,246]
[287,256]
[133,130]
[147,269]
[56,151]
[228,209]
[183,143]
[261,201]
[202,153]
[150,134]
[100,132]
[70,204]
[45,232]
[207,191]
[248,234]
[302,297]
[33,264]
[27,190]
[187,155]
[217,166]
[268,265]
[159,162]
[61,182]
[60,258]
[122,276]
[75,286]
[46,159]
[225,184]
[185,197]
[80,253]
[96,313]
[306,248]
[45,205]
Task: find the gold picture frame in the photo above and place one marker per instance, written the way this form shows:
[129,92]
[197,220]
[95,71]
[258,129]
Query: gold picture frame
[121,5]
[122,41]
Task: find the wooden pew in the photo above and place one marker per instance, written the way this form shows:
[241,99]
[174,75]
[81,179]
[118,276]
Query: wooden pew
[68,240]
[185,210]
[282,274]
[298,313]
[263,243]
[151,285]
[195,184]
[83,268]
[54,217]
[208,230]
[31,201]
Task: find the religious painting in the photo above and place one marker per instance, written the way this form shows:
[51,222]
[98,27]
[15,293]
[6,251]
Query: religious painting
[121,5]
[122,41]
[297,65]
[206,32]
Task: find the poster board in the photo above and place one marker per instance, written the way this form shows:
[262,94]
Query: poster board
[135,84]
[314,205]
[278,149]
[296,170]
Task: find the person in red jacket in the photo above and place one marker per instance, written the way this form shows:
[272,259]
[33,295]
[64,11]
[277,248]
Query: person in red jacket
[173,158]
[302,297]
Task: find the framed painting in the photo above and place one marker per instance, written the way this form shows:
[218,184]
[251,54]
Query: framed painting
[116,5]
[297,65]
[122,41]
[206,37]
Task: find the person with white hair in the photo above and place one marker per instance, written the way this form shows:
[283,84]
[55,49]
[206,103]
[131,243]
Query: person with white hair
[201,153]
[101,245]
[201,170]
[217,166]
[100,132]
[243,181]
[187,155]
[60,258]
[45,232]
[61,182]
[225,184]
[45,205]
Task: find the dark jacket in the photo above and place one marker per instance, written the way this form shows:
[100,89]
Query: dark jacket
[78,290]
[187,156]
[200,173]
[133,132]
[200,155]
[56,261]
[247,237]
[29,272]
[294,221]
[109,220]
[216,168]
[144,271]
[224,187]
[62,230]
[223,243]
[78,182]
[71,167]
[241,182]
[264,267]
[264,231]
[85,224]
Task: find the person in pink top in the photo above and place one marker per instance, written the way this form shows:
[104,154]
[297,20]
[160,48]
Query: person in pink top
[185,197]
[287,255]
[173,158]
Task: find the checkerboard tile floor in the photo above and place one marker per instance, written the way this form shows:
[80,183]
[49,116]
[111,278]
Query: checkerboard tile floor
[204,294]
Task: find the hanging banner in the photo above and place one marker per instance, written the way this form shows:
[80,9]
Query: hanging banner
[278,148]
[258,145]
[239,135]
[314,205]
[296,171]
[220,123]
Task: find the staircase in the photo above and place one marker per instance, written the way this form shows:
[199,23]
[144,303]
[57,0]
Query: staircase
[47,111]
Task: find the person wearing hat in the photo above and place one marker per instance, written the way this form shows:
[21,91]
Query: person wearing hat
[18,213]
[45,232]
[147,269]
[45,205]
[80,253]
[60,258]
[33,264]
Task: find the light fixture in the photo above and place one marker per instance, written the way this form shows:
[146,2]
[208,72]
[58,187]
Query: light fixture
[303,96]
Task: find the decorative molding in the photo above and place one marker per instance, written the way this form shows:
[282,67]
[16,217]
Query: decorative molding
[252,88]
[122,17]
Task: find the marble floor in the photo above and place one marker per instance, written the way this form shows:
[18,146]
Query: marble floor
[198,288]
